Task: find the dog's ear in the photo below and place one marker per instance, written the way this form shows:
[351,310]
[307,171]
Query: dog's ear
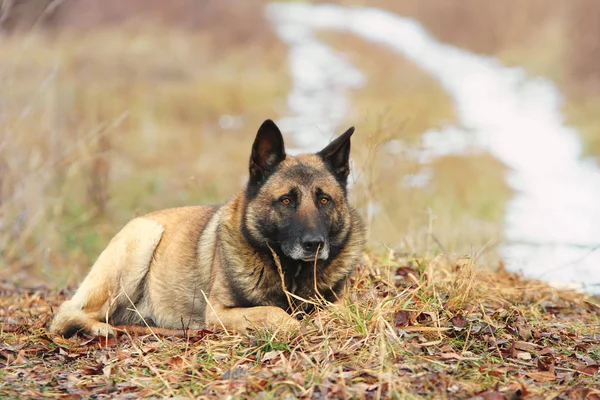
[337,156]
[267,151]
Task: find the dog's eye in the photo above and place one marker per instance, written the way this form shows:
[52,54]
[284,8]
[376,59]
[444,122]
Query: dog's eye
[323,200]
[286,201]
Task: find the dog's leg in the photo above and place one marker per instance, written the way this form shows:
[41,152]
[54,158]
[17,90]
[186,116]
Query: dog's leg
[114,278]
[240,319]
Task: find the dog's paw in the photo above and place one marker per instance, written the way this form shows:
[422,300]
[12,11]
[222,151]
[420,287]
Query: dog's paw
[101,329]
[279,319]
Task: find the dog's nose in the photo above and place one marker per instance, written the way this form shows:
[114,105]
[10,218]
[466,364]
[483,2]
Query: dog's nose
[311,242]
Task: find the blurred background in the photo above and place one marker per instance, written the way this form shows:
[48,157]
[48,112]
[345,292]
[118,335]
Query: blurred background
[111,109]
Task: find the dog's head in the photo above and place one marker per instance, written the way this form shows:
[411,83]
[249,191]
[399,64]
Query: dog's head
[297,204]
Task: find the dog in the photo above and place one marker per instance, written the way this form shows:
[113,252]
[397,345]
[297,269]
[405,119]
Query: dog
[289,236]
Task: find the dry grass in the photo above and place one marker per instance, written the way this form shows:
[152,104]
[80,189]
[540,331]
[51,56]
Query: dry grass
[103,125]
[408,329]
[100,126]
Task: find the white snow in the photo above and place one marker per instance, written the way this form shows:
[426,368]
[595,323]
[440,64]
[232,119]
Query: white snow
[552,226]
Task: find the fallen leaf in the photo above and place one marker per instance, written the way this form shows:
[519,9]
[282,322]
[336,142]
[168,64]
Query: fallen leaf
[106,371]
[524,332]
[458,320]
[493,370]
[546,364]
[402,319]
[489,395]
[525,346]
[454,356]
[427,316]
[591,369]
[71,396]
[21,359]
[175,362]
[579,392]
[98,369]
[73,379]
[523,355]
[541,376]
[546,351]
[11,328]
[270,355]
[234,374]
[516,391]
[591,306]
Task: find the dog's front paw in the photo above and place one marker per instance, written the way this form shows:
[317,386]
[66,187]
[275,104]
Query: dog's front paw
[101,329]
[275,317]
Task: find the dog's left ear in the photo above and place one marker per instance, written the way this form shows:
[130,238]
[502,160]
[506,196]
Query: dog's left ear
[337,156]
[267,151]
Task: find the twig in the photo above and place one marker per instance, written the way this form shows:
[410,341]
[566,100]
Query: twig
[138,313]
[213,310]
[165,332]
[282,277]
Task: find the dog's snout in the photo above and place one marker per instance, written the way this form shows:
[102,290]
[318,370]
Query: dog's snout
[311,242]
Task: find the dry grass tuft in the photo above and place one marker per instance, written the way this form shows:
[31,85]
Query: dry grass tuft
[408,328]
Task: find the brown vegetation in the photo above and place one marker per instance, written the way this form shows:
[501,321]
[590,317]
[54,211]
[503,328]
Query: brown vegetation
[409,329]
[99,125]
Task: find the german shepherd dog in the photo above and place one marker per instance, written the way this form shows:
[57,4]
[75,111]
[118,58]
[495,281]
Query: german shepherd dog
[289,235]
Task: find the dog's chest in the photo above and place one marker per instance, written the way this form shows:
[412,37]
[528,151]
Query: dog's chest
[299,280]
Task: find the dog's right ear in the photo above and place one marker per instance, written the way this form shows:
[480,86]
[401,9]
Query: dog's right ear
[267,151]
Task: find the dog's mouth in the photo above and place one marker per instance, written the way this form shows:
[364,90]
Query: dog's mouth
[296,252]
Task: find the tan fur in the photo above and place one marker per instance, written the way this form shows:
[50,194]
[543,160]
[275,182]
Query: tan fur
[169,268]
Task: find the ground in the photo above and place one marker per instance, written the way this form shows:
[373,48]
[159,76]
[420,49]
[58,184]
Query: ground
[100,125]
[407,329]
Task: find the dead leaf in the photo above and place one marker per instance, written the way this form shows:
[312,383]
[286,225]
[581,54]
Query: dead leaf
[73,379]
[541,376]
[234,374]
[516,391]
[458,320]
[402,319]
[270,355]
[579,392]
[489,395]
[427,316]
[21,359]
[98,369]
[448,356]
[175,362]
[525,346]
[546,351]
[493,370]
[106,371]
[591,306]
[523,355]
[11,328]
[524,332]
[100,341]
[454,356]
[546,364]
[591,369]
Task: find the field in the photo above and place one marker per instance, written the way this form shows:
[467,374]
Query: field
[102,122]
[408,329]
